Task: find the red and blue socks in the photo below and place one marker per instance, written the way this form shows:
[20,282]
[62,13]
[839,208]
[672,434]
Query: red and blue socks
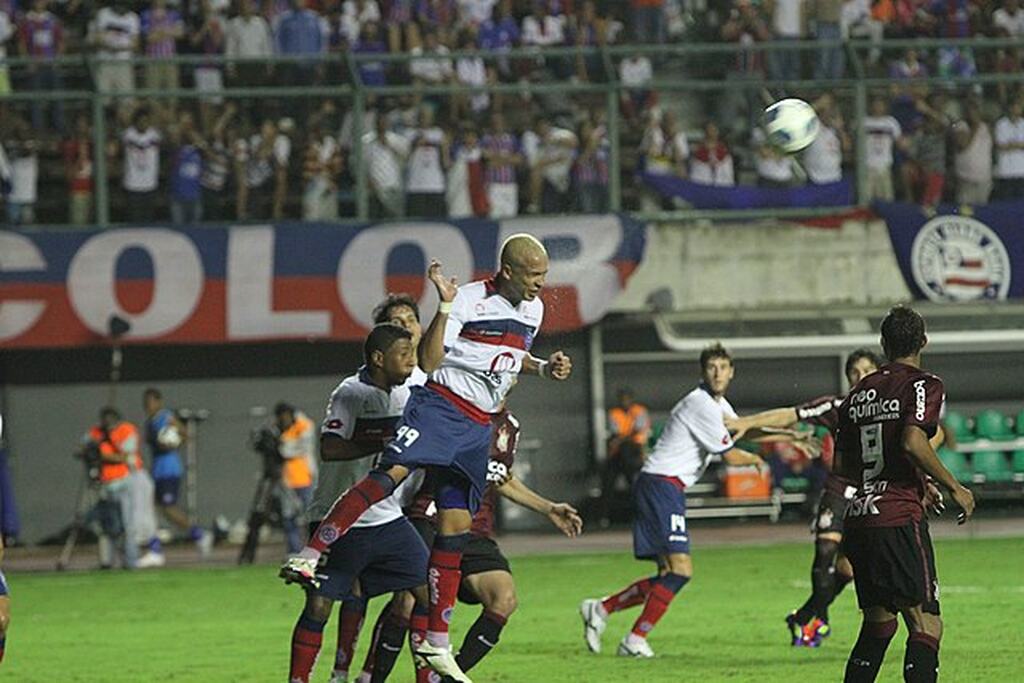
[869,651]
[306,640]
[921,661]
[350,623]
[662,592]
[482,637]
[443,577]
[375,487]
[631,596]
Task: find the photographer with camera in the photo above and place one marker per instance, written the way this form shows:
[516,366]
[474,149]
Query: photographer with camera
[110,451]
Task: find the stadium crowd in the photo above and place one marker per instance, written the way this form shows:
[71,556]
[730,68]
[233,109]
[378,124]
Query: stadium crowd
[207,157]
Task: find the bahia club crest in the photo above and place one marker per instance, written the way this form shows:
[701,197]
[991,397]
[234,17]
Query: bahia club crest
[956,258]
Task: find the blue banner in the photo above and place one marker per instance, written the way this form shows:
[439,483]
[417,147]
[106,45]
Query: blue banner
[958,253]
[743,197]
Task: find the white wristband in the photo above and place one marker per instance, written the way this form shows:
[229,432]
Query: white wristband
[444,307]
[541,367]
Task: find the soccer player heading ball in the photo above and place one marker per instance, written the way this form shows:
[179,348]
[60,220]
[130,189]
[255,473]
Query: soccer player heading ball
[476,346]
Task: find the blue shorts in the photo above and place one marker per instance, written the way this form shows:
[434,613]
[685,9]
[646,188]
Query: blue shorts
[386,558]
[659,527]
[165,490]
[435,433]
[3,585]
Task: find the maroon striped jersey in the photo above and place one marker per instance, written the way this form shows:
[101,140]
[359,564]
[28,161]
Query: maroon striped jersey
[869,443]
[504,442]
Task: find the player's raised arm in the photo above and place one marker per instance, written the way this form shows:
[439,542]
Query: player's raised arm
[918,447]
[431,349]
[564,516]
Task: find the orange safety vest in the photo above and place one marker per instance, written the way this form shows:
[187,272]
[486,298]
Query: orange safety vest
[633,418]
[122,432]
[296,472]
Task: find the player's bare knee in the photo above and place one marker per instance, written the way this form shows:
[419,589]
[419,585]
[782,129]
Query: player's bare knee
[5,621]
[503,602]
[679,564]
[403,603]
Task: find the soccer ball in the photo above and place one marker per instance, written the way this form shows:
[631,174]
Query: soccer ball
[791,125]
[169,437]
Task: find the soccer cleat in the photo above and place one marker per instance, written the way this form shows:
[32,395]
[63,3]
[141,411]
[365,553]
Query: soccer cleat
[815,632]
[338,677]
[441,660]
[594,623]
[300,570]
[635,647]
[150,560]
[796,630]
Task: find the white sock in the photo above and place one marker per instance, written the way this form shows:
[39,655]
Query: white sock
[634,639]
[438,639]
[601,610]
[309,553]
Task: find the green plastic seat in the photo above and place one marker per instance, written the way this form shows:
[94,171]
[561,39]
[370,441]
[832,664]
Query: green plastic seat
[795,484]
[1020,423]
[992,424]
[960,426]
[991,467]
[957,464]
[656,429]
[1017,461]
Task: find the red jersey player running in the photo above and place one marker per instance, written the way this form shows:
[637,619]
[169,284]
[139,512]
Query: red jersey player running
[475,348]
[885,423]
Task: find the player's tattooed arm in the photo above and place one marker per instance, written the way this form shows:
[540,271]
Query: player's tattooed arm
[564,516]
[431,349]
[917,445]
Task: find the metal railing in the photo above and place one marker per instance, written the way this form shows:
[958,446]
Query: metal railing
[346,69]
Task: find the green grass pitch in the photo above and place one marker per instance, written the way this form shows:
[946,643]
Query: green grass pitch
[234,624]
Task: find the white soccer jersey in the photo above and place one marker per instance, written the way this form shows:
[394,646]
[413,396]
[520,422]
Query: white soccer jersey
[358,409]
[485,342]
[695,431]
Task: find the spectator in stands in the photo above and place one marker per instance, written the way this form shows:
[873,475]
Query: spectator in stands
[882,131]
[1009,140]
[471,71]
[550,152]
[431,65]
[466,191]
[77,152]
[823,160]
[355,14]
[591,169]
[385,153]
[1008,62]
[186,174]
[924,174]
[856,20]
[429,160]
[249,38]
[141,169]
[905,91]
[503,156]
[438,16]
[298,33]
[370,42]
[115,33]
[282,157]
[41,37]
[954,19]
[775,169]
[629,428]
[635,73]
[711,163]
[7,31]
[403,32]
[973,160]
[209,40]
[648,21]
[588,32]
[217,166]
[161,29]
[745,26]
[542,29]
[788,24]
[500,34]
[1008,20]
[827,15]
[22,150]
[261,163]
[678,145]
[475,13]
[321,171]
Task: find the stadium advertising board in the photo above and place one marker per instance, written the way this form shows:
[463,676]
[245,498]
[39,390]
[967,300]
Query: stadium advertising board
[60,288]
[955,253]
